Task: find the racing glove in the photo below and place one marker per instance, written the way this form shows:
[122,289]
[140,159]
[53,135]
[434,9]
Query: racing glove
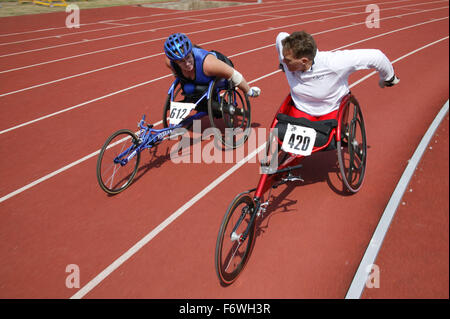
[254,91]
[391,82]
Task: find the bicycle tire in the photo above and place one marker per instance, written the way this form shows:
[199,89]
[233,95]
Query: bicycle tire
[352,154]
[115,184]
[235,114]
[230,221]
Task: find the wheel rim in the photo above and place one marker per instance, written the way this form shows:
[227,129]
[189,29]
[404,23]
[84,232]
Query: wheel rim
[112,175]
[352,151]
[231,255]
[233,128]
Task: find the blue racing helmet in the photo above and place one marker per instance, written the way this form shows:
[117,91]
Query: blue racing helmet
[177,46]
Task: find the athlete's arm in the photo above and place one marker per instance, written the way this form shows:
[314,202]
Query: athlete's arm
[215,67]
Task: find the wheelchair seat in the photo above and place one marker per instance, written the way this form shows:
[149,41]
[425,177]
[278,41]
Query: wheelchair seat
[323,128]
[344,133]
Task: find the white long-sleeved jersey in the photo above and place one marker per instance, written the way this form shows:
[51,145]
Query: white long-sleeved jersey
[319,90]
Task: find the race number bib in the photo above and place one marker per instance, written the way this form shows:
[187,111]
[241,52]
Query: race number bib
[179,111]
[299,140]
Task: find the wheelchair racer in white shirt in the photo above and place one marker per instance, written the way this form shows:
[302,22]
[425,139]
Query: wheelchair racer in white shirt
[319,80]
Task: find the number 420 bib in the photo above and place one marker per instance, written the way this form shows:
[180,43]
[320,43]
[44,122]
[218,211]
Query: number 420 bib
[299,140]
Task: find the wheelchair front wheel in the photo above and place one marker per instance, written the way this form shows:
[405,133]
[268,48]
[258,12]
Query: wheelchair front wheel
[118,162]
[352,147]
[232,252]
[229,112]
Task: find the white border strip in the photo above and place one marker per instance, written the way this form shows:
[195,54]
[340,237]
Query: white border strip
[359,281]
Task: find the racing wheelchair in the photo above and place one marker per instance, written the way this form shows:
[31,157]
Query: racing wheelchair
[290,140]
[229,113]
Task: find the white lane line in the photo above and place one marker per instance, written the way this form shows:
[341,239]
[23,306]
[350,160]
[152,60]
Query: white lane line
[116,24]
[83,104]
[154,55]
[79,55]
[26,187]
[131,44]
[89,31]
[130,61]
[404,56]
[185,24]
[197,19]
[78,74]
[168,75]
[361,276]
[171,13]
[52,174]
[141,243]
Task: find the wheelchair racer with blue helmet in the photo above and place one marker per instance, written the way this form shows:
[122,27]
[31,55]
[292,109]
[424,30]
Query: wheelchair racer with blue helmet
[196,68]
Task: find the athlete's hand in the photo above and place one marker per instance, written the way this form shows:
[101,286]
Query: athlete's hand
[254,91]
[391,82]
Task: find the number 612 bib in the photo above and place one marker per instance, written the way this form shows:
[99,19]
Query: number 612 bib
[179,111]
[299,140]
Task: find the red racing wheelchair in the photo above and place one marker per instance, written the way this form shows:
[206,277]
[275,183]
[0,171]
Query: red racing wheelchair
[290,140]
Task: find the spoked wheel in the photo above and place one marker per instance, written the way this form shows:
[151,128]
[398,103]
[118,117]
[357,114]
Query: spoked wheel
[352,148]
[115,168]
[232,251]
[229,112]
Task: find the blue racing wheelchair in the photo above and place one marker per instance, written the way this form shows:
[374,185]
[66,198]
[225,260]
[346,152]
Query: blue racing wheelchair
[228,110]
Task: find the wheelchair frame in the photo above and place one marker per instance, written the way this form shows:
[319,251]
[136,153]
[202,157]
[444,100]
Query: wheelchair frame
[248,207]
[147,137]
[228,100]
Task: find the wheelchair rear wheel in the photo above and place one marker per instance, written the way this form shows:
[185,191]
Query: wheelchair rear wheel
[229,112]
[352,147]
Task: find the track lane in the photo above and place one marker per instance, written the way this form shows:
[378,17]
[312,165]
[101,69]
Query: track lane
[32,23]
[145,47]
[37,31]
[310,245]
[188,245]
[90,228]
[207,30]
[91,134]
[85,87]
[422,214]
[180,19]
[224,19]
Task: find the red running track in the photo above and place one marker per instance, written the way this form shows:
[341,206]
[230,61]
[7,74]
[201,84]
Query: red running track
[63,92]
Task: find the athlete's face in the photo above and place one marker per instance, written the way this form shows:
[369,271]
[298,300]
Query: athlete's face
[187,64]
[293,64]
